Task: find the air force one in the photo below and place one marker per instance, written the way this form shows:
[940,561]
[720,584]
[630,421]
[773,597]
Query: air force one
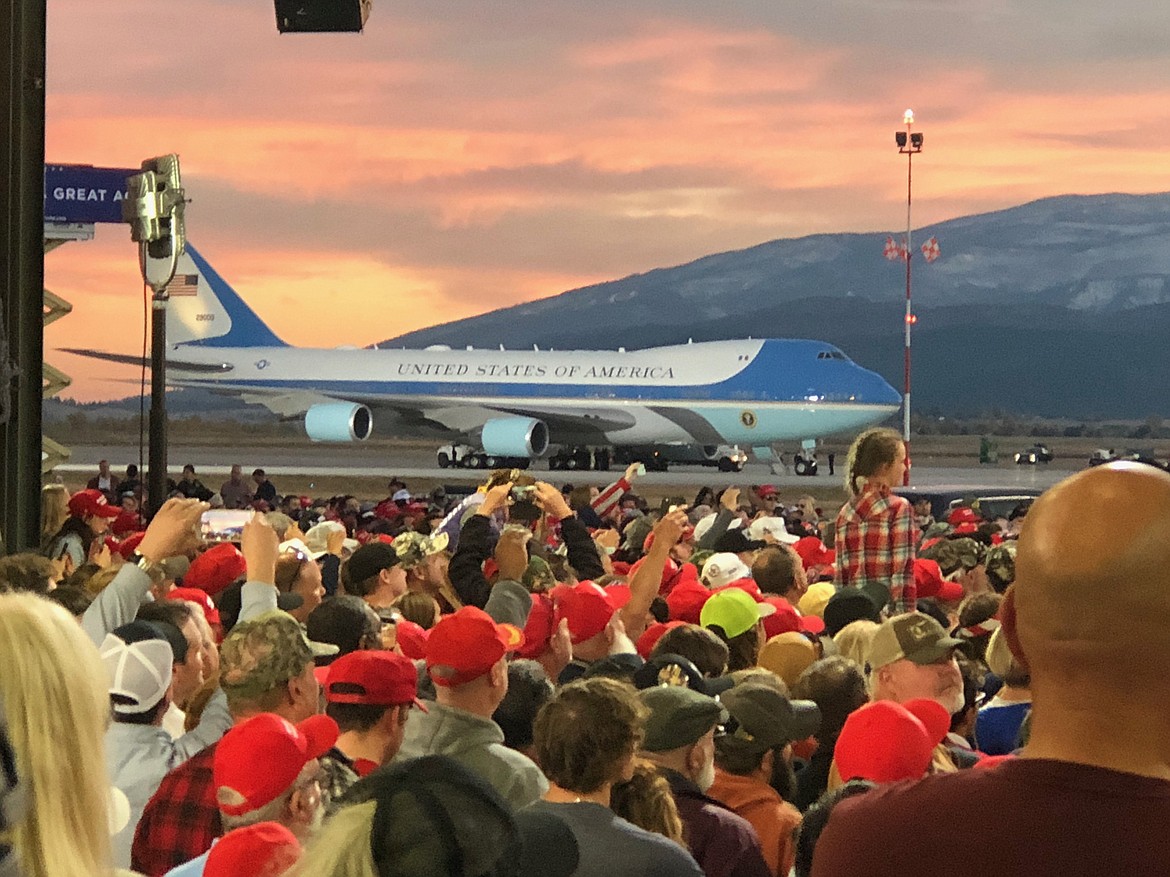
[518,403]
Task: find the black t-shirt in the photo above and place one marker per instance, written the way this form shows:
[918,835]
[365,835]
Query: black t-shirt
[1034,817]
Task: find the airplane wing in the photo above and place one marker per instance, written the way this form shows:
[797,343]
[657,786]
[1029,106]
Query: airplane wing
[408,414]
[582,425]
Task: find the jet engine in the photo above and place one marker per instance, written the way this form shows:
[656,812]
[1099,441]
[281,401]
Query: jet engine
[339,422]
[515,437]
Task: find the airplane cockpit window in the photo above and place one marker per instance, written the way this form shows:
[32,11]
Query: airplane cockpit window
[832,354]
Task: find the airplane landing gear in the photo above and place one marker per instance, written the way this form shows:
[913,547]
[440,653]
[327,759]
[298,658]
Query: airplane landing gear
[580,459]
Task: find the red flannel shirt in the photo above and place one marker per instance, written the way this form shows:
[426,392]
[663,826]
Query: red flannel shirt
[181,820]
[875,538]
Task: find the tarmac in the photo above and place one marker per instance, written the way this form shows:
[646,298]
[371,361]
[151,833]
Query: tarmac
[356,461]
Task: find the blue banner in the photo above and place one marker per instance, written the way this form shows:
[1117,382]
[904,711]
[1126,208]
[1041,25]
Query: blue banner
[83,193]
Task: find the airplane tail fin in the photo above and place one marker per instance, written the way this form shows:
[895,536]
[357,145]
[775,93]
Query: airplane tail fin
[205,310]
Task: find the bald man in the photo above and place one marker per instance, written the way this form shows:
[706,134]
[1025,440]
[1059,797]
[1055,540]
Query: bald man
[1089,616]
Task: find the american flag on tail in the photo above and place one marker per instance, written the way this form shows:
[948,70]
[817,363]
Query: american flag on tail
[183,284]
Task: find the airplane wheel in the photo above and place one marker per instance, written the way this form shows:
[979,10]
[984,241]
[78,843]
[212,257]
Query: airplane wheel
[479,461]
[800,467]
[725,465]
[491,463]
[444,460]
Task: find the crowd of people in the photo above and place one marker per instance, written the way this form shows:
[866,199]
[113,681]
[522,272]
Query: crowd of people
[534,681]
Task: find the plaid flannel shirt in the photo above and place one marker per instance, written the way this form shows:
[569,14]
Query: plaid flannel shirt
[181,820]
[875,537]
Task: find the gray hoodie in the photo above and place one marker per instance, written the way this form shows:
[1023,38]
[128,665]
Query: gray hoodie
[477,743]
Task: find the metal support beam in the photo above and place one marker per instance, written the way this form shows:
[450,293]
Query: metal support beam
[157,476]
[22,267]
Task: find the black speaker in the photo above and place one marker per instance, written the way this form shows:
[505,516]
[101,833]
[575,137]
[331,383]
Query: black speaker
[321,16]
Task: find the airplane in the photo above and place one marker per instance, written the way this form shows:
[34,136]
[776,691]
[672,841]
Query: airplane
[517,404]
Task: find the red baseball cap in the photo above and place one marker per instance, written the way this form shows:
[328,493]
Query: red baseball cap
[373,677]
[787,620]
[812,552]
[588,607]
[130,544]
[766,490]
[963,515]
[670,572]
[648,640]
[411,639]
[748,586]
[467,644]
[266,849]
[92,504]
[885,741]
[216,568]
[257,760]
[686,600]
[538,629]
[127,522]
[197,596]
[929,581]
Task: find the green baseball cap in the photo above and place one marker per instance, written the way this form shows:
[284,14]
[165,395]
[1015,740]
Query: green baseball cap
[766,717]
[734,610]
[678,717]
[912,636]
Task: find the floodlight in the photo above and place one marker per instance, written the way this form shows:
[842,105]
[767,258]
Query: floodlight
[154,207]
[322,16]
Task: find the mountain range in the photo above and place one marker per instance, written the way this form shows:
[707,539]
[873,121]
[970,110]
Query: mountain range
[1057,308]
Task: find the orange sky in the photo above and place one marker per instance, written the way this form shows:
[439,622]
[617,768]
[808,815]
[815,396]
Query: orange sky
[453,160]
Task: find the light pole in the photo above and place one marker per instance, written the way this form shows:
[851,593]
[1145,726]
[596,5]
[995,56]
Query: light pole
[154,208]
[909,142]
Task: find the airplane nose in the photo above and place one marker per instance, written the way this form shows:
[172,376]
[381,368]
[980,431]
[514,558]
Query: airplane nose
[878,390]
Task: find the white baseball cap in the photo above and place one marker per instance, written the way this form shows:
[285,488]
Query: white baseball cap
[774,526]
[704,524]
[139,672]
[721,569]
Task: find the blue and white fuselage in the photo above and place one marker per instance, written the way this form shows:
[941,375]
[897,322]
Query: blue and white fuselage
[752,392]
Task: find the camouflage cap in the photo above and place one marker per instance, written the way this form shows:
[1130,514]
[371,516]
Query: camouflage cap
[937,530]
[261,654]
[955,554]
[413,548]
[1001,565]
[538,577]
[700,557]
[636,532]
